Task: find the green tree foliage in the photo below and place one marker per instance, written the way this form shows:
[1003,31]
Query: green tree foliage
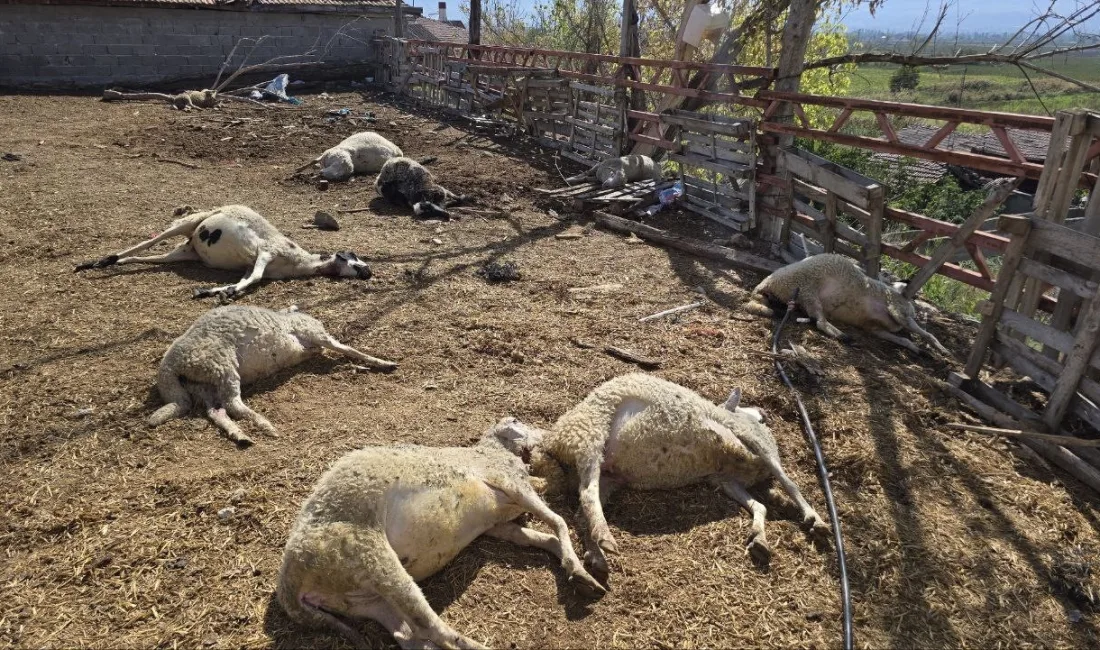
[906,78]
[593,26]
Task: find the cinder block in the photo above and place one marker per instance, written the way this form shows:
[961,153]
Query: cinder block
[120,50]
[94,50]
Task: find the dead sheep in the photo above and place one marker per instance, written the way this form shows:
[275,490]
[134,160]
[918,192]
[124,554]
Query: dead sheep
[644,432]
[237,237]
[834,287]
[403,181]
[228,347]
[382,518]
[617,172]
[362,153]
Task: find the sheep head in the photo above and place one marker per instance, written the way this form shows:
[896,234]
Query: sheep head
[515,436]
[346,265]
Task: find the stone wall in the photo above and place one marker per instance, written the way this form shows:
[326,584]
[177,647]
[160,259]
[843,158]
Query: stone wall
[62,47]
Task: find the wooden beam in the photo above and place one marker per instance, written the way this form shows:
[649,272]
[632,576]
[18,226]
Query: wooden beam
[694,246]
[1077,362]
[966,229]
[1010,261]
[1066,441]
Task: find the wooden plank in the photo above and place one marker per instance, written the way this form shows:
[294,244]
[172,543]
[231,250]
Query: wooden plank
[873,253]
[810,191]
[1013,346]
[1025,363]
[1067,243]
[722,143]
[715,208]
[1041,332]
[966,229]
[737,160]
[736,258]
[733,224]
[1077,362]
[825,178]
[1067,281]
[734,129]
[597,90]
[695,160]
[828,230]
[691,182]
[988,328]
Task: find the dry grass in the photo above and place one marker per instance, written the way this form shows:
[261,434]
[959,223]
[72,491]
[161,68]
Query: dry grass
[111,537]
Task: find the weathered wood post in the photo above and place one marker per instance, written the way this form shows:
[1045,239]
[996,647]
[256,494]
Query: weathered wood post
[773,202]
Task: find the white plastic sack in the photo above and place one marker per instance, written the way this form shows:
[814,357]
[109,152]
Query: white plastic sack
[278,86]
[705,21]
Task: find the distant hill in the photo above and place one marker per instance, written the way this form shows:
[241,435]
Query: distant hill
[970,15]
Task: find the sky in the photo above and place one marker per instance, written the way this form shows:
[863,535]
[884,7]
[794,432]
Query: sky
[894,15]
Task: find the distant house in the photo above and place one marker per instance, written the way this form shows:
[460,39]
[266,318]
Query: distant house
[61,44]
[439,29]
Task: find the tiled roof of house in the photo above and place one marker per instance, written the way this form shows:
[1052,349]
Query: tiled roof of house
[1031,144]
[427,29]
[349,5]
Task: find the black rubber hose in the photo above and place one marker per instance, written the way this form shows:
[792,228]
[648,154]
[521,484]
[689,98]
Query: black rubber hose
[823,476]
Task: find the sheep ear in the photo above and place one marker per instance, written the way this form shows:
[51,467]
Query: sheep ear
[733,400]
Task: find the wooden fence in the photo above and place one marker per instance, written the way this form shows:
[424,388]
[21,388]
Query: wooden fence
[733,173]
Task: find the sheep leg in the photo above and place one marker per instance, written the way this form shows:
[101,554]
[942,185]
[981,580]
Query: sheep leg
[231,397]
[384,575]
[510,531]
[220,419]
[331,343]
[813,308]
[177,400]
[525,496]
[758,544]
[600,539]
[896,340]
[389,618]
[810,519]
[184,226]
[262,260]
[182,253]
[912,326]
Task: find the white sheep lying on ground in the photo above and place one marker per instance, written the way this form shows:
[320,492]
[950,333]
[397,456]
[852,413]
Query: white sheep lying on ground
[383,517]
[644,432]
[404,181]
[832,286]
[617,172]
[362,153]
[228,347]
[237,237]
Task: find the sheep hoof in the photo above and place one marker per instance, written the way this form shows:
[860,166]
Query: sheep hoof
[760,551]
[97,264]
[242,441]
[817,528]
[586,582]
[597,564]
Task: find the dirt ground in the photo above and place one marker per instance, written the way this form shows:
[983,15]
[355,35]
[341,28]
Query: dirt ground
[112,537]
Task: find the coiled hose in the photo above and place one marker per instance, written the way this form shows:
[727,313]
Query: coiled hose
[823,476]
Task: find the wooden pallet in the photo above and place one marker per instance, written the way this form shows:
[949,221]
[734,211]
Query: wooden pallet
[591,196]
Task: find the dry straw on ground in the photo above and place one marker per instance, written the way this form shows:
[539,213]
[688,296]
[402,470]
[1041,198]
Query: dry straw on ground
[112,536]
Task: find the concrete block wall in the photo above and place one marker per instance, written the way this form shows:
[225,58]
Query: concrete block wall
[72,47]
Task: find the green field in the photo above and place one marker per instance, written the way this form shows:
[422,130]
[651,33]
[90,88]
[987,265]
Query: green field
[991,87]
